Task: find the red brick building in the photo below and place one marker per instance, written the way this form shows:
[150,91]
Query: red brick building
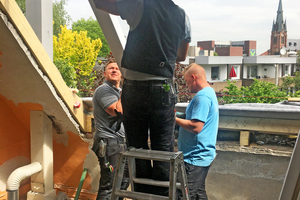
[229,51]
[230,48]
[279,33]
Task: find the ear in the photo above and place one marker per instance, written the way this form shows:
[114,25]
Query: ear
[193,77]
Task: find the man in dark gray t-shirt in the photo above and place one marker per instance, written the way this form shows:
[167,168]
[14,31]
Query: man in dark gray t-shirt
[108,140]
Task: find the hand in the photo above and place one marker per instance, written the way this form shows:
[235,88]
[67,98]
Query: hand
[180,115]
[120,119]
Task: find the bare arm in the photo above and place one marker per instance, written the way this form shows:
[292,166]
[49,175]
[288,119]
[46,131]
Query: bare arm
[182,51]
[193,126]
[117,105]
[109,6]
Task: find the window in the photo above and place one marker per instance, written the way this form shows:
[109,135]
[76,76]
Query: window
[282,40]
[214,73]
[290,44]
[295,44]
[275,40]
[236,67]
[252,71]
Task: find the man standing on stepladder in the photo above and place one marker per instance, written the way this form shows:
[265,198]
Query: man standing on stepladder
[159,37]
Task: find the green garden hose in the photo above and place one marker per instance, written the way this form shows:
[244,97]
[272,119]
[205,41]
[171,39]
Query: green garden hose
[80,184]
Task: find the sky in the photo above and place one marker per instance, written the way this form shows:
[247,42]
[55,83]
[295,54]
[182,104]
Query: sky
[222,20]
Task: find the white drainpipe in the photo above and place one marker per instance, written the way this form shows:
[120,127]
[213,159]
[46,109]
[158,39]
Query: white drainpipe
[17,176]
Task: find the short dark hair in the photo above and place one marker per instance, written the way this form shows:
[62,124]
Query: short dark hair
[111,60]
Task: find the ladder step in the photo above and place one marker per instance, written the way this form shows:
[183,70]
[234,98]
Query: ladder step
[140,196]
[154,182]
[152,154]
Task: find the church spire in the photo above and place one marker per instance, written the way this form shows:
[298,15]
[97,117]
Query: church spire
[280,24]
[279,32]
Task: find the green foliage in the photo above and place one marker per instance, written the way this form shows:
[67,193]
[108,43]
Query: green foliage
[258,92]
[60,16]
[78,51]
[22,5]
[290,83]
[216,54]
[93,31]
[184,95]
[67,71]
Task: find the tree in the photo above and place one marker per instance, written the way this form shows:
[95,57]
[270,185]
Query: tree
[60,16]
[291,84]
[93,31]
[78,53]
[67,71]
[22,5]
[184,95]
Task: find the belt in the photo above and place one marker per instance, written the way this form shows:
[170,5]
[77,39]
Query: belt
[148,83]
[111,141]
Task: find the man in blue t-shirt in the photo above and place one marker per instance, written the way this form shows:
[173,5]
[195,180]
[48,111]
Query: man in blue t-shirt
[198,131]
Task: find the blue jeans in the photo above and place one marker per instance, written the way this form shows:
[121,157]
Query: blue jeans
[196,181]
[147,106]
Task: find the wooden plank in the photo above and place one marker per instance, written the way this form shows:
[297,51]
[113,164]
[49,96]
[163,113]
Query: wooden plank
[294,99]
[17,18]
[244,138]
[264,125]
[290,188]
[112,32]
[88,116]
[88,123]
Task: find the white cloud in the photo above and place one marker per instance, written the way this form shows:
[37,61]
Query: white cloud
[223,20]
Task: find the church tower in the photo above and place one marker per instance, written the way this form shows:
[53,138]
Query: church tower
[279,32]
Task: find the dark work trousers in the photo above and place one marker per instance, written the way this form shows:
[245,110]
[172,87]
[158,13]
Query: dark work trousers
[146,107]
[196,182]
[114,146]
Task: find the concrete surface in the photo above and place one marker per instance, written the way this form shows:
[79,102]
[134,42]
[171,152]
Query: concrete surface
[247,173]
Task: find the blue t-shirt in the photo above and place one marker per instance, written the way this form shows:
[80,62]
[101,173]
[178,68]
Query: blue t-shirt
[199,149]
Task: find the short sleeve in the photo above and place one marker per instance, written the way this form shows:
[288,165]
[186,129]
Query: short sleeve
[201,108]
[187,29]
[106,96]
[131,11]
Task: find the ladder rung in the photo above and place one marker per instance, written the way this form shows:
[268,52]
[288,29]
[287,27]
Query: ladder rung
[152,155]
[153,182]
[140,196]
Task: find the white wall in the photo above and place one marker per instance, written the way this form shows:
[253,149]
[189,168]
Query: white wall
[207,71]
[223,72]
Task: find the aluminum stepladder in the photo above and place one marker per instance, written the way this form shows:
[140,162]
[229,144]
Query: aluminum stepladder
[176,167]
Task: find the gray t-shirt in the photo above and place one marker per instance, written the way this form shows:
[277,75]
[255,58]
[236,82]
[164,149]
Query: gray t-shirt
[132,11]
[105,124]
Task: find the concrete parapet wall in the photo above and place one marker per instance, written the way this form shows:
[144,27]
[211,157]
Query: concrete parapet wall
[247,172]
